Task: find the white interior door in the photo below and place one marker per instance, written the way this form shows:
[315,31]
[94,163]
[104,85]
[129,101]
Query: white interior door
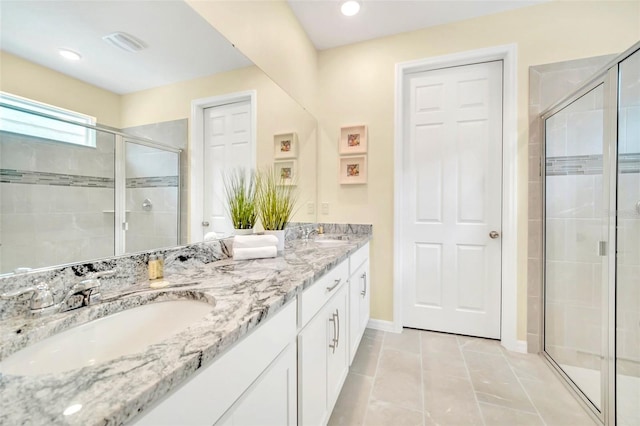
[227,145]
[452,168]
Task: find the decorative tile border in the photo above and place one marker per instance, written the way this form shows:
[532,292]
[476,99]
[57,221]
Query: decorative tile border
[589,165]
[55,179]
[153,182]
[27,177]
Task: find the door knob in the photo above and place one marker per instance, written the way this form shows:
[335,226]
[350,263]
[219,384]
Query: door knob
[205,223]
[494,234]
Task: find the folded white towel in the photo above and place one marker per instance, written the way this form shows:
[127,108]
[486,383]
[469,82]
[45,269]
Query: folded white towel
[209,236]
[254,253]
[254,241]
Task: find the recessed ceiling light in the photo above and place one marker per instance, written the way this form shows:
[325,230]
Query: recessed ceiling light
[350,7]
[69,54]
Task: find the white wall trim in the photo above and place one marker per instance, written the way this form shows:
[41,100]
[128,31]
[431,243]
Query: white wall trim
[382,325]
[521,346]
[196,153]
[508,54]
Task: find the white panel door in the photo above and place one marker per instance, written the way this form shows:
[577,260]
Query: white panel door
[227,145]
[452,170]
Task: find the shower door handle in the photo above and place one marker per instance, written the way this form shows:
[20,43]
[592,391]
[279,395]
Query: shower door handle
[494,234]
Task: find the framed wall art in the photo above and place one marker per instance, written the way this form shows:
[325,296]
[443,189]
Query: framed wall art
[353,170]
[285,145]
[287,170]
[353,140]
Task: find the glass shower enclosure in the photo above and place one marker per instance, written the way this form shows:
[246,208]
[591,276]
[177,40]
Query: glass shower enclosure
[72,192]
[591,231]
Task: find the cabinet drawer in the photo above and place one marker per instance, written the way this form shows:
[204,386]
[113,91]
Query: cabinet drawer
[320,292]
[358,258]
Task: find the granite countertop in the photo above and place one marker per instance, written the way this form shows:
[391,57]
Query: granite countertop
[114,392]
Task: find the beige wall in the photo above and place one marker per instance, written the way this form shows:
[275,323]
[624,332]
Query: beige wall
[356,85]
[277,113]
[24,78]
[270,35]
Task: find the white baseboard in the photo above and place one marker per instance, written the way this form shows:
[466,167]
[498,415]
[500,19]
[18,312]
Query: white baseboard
[383,325]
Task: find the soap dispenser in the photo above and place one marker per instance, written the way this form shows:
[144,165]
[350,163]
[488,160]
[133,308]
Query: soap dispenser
[153,267]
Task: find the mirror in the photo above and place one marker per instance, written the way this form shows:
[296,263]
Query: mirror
[147,95]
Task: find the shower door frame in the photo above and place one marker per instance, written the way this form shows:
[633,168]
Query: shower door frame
[599,415]
[609,77]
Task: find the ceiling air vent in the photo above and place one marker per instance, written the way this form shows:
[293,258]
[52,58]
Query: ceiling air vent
[125,42]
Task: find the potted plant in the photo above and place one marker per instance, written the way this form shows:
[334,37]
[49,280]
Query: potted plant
[276,202]
[241,191]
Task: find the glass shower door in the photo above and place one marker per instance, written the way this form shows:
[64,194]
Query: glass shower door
[628,245]
[152,207]
[575,224]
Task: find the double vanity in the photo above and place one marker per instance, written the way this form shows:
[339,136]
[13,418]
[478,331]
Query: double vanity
[223,342]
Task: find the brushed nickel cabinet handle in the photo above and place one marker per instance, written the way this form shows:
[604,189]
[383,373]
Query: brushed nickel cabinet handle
[338,316]
[336,283]
[364,278]
[334,341]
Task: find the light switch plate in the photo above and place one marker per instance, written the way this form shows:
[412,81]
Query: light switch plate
[311,208]
[325,208]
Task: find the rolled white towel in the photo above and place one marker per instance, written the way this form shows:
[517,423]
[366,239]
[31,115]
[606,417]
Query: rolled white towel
[210,236]
[254,241]
[254,253]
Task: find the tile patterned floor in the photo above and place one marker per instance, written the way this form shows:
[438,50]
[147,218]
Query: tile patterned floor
[424,378]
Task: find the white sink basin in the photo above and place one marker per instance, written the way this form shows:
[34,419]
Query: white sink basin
[330,243]
[110,337]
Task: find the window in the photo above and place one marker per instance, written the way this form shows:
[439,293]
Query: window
[45,127]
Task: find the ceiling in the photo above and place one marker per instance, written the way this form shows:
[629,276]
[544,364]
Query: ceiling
[181,44]
[327,27]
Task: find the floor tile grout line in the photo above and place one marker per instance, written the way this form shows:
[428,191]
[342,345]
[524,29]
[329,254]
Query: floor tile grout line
[424,414]
[466,367]
[524,389]
[373,381]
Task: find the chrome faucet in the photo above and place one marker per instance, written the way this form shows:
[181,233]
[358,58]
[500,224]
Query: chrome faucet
[42,299]
[88,288]
[317,231]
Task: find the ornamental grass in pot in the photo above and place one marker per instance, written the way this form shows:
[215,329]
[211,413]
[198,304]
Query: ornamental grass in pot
[276,202]
[241,190]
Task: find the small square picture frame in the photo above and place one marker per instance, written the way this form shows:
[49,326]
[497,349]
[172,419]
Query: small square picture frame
[353,170]
[285,145]
[353,140]
[287,170]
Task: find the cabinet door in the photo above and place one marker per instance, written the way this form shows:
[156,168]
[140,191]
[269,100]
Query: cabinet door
[312,374]
[338,355]
[359,296]
[272,400]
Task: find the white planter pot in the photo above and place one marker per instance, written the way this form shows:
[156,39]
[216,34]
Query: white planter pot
[243,231]
[280,236]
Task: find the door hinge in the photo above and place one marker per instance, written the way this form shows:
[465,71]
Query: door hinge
[602,248]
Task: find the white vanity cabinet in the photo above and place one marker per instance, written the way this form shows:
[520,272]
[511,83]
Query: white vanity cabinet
[359,298]
[323,349]
[252,383]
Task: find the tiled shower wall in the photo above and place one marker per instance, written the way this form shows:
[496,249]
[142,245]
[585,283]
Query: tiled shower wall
[547,85]
[54,201]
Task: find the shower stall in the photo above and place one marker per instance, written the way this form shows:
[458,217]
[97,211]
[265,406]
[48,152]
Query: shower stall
[591,234]
[71,191]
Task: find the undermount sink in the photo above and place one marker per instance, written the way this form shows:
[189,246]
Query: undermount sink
[330,242]
[123,333]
